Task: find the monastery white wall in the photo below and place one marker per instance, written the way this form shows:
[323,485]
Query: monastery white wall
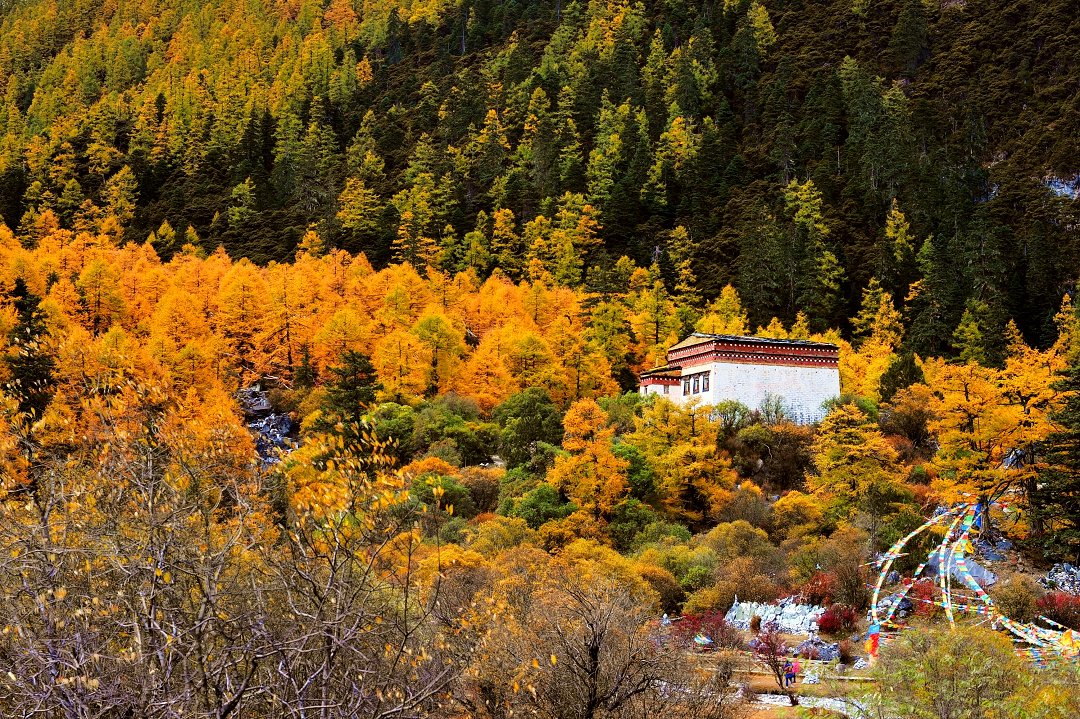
[802,390]
[672,392]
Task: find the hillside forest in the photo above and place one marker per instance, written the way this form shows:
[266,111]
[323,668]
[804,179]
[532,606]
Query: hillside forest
[792,149]
[442,239]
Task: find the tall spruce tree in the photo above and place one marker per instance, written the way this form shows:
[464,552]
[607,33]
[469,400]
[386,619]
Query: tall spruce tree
[350,393]
[30,368]
[353,386]
[902,372]
[1056,499]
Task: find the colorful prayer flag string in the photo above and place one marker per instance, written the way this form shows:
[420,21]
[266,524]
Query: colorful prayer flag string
[950,555]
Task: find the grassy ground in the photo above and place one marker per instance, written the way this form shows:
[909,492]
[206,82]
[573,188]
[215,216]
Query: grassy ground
[759,679]
[765,685]
[792,713]
[831,690]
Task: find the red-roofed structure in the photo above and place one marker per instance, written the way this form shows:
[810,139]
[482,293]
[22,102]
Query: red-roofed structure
[800,375]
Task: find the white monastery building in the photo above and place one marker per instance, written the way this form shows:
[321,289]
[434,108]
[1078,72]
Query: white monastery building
[802,375]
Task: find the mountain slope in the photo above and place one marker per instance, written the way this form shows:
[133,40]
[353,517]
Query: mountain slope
[671,131]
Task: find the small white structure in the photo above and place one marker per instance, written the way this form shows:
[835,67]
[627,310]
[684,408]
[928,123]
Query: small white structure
[800,374]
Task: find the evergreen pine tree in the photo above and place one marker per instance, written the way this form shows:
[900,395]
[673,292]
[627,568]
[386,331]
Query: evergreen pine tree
[910,42]
[30,368]
[351,391]
[1055,501]
[901,373]
[306,374]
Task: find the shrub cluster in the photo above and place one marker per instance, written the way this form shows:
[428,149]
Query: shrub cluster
[713,626]
[1018,598]
[1061,607]
[924,594]
[820,589]
[838,619]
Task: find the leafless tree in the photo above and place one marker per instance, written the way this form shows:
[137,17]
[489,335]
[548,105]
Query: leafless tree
[696,689]
[587,647]
[771,651]
[123,591]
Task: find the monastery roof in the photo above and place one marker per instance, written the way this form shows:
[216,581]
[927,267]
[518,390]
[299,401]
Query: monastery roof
[697,338]
[665,371]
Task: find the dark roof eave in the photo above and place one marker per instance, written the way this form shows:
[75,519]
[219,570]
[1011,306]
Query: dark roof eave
[751,339]
[666,370]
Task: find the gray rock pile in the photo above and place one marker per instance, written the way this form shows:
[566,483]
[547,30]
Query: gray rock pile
[904,608]
[271,434]
[995,552]
[271,430]
[1062,577]
[254,401]
[981,574]
[816,648]
[787,615]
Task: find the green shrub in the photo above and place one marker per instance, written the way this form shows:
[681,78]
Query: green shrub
[541,505]
[1017,598]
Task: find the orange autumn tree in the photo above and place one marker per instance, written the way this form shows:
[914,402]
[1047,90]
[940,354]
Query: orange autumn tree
[857,471]
[485,377]
[209,317]
[443,346]
[972,425]
[725,315]
[1028,387]
[877,334]
[590,474]
[679,441]
[989,422]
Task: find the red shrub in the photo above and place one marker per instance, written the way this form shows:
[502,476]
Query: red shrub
[922,493]
[924,594]
[1061,607]
[903,446]
[820,589]
[838,619]
[712,625]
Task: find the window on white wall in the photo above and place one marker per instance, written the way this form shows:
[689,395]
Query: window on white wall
[665,389]
[697,384]
[705,382]
[686,386]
